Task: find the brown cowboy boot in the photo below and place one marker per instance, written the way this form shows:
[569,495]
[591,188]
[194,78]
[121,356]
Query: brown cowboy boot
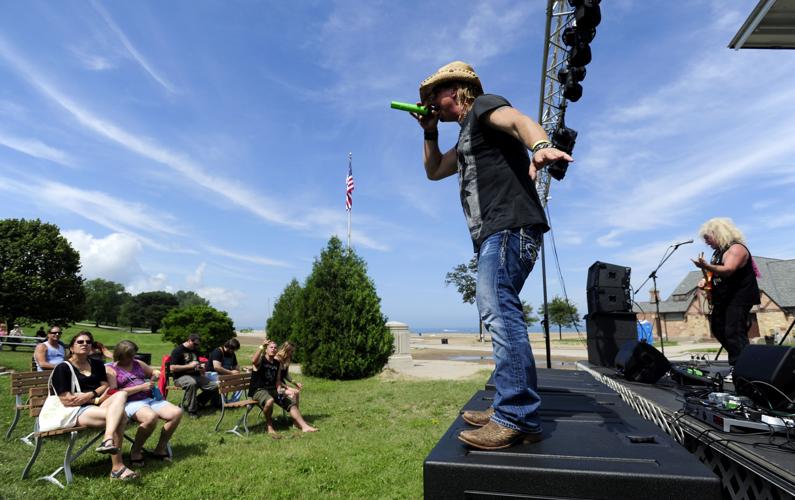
[477,418]
[493,436]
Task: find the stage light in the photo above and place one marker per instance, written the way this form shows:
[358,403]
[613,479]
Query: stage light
[569,78]
[587,13]
[563,138]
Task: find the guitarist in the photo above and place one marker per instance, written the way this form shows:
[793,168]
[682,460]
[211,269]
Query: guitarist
[734,287]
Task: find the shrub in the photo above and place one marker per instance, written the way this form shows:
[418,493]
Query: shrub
[341,332]
[214,326]
[286,313]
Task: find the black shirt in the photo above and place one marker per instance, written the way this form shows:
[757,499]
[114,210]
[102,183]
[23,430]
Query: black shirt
[493,173]
[227,359]
[739,289]
[181,355]
[62,377]
[265,376]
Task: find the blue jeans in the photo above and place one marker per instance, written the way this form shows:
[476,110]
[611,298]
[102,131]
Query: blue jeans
[504,262]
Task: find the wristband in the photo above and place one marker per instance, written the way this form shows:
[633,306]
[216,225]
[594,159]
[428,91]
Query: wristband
[431,135]
[96,401]
[538,145]
[94,392]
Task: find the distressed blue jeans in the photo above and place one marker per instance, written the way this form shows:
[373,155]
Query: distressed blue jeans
[505,260]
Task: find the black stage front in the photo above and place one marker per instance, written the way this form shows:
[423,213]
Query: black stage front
[751,465]
[595,446]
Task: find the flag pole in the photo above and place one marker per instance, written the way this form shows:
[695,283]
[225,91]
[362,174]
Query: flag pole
[347,187]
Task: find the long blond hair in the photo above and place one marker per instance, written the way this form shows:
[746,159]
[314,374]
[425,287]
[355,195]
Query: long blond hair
[723,231]
[285,354]
[465,96]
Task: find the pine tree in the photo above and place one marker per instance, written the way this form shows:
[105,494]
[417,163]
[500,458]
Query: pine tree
[341,332]
[286,313]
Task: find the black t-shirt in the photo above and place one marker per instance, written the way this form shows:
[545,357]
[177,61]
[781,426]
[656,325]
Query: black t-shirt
[493,174]
[62,377]
[739,289]
[265,376]
[181,355]
[227,359]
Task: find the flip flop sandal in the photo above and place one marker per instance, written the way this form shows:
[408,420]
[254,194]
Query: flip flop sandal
[137,462]
[124,474]
[107,447]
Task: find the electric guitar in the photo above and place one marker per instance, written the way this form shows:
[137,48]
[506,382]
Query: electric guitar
[707,282]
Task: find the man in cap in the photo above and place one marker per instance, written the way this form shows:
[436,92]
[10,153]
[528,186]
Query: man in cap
[506,222]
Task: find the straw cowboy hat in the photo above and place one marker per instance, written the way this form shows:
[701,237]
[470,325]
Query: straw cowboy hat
[456,71]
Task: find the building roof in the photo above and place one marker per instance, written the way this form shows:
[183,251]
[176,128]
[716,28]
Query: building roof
[771,25]
[777,281]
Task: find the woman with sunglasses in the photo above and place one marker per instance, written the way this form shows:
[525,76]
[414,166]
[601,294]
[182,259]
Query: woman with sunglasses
[50,353]
[98,409]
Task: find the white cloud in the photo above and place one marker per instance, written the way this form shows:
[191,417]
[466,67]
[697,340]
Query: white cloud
[91,61]
[36,148]
[133,52]
[114,257]
[196,278]
[222,298]
[254,259]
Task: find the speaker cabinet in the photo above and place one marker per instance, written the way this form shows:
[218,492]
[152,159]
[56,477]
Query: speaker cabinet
[640,362]
[602,274]
[605,333]
[761,366]
[608,299]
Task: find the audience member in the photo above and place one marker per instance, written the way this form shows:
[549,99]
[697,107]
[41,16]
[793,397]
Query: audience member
[188,373]
[40,333]
[136,379]
[98,408]
[267,390]
[100,352]
[50,353]
[223,360]
[285,357]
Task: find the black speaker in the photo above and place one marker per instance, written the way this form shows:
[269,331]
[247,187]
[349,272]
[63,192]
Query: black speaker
[605,332]
[766,374]
[602,274]
[608,299]
[641,362]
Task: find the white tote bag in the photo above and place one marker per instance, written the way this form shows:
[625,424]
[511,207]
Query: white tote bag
[54,415]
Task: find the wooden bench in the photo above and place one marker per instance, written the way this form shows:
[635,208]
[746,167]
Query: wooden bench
[21,383]
[229,384]
[23,341]
[36,400]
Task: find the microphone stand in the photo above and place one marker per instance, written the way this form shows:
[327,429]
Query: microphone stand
[653,276]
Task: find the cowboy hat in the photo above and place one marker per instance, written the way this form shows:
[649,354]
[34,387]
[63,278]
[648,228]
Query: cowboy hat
[456,71]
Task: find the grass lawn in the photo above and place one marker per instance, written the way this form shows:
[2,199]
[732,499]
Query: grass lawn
[374,435]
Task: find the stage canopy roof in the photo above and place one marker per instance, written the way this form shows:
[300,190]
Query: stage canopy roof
[771,25]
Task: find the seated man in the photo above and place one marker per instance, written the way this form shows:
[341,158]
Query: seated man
[266,388]
[188,373]
[223,359]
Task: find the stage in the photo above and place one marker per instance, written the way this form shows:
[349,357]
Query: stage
[751,465]
[605,437]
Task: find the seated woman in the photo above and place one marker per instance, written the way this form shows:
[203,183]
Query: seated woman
[136,379]
[98,409]
[285,357]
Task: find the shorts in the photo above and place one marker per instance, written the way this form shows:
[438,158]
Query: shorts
[132,407]
[264,395]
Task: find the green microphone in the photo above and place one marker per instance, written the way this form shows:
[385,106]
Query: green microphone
[411,108]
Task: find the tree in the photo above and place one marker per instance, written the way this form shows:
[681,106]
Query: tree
[148,309]
[527,313]
[465,279]
[562,313]
[215,327]
[190,298]
[39,274]
[341,332]
[286,313]
[104,300]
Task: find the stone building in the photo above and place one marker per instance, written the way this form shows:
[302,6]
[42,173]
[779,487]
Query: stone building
[683,314]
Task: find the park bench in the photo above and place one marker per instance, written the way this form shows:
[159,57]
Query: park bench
[21,341]
[229,384]
[21,383]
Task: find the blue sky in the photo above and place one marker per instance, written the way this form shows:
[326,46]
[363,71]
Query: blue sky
[203,145]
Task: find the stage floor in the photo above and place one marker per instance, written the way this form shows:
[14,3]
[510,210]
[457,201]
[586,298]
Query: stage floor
[768,455]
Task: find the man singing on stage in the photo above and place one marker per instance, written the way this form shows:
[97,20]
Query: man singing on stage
[734,286]
[506,222]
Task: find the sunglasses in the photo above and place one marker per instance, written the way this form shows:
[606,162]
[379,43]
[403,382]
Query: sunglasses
[82,342]
[55,333]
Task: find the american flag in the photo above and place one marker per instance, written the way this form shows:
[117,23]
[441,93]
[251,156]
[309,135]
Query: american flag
[349,187]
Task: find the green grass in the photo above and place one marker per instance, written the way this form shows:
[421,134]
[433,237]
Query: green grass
[374,435]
